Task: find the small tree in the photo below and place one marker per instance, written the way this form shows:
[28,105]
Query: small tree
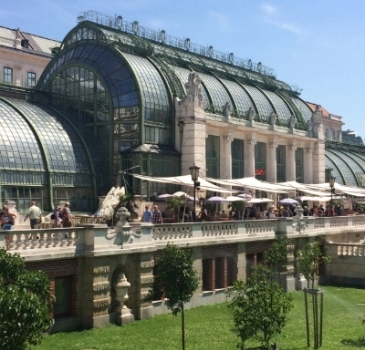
[260,307]
[308,261]
[25,303]
[176,274]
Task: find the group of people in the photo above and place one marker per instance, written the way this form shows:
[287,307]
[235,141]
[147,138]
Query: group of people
[61,217]
[154,217]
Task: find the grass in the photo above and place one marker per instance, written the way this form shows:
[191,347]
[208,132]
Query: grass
[208,328]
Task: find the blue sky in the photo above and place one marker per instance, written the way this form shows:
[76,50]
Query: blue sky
[315,45]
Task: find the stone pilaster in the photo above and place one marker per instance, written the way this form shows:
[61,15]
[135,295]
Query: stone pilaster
[226,156]
[144,309]
[241,262]
[290,162]
[271,161]
[318,162]
[250,155]
[308,164]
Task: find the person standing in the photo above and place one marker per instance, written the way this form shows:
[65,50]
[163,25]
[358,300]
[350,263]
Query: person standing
[7,219]
[66,216]
[34,215]
[147,214]
[157,216]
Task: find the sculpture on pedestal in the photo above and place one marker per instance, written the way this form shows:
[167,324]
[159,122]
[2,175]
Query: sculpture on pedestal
[121,295]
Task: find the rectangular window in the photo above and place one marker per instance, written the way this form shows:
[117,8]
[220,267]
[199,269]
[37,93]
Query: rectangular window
[280,163]
[213,156]
[237,151]
[31,79]
[8,75]
[63,293]
[260,161]
[299,166]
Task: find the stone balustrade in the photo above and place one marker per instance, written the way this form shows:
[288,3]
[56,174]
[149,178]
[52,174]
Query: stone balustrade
[347,249]
[98,239]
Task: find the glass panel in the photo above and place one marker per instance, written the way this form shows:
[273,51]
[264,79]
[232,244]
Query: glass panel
[260,161]
[212,154]
[8,75]
[280,163]
[299,165]
[239,95]
[282,110]
[303,108]
[262,104]
[237,151]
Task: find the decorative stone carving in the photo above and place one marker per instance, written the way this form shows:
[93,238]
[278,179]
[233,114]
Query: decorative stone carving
[229,138]
[122,231]
[227,108]
[315,124]
[299,222]
[251,114]
[292,121]
[121,295]
[272,118]
[193,88]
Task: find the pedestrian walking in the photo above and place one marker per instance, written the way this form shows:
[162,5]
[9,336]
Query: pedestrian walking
[34,215]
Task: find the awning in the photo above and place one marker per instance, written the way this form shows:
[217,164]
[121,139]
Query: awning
[184,180]
[252,182]
[352,191]
[304,188]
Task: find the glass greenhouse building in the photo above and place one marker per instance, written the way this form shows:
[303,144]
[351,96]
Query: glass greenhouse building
[106,103]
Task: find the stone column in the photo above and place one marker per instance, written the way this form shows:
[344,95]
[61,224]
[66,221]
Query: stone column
[271,161]
[308,164]
[290,162]
[191,126]
[250,155]
[241,262]
[226,156]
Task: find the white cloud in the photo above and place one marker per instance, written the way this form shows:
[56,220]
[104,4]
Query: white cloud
[221,20]
[271,16]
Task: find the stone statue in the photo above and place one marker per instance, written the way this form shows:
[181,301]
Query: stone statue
[193,88]
[227,108]
[315,126]
[106,209]
[122,215]
[251,114]
[292,121]
[272,118]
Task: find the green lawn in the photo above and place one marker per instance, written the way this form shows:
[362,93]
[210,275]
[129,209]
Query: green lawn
[208,328]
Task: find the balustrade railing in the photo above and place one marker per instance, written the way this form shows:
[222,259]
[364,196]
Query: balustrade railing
[88,237]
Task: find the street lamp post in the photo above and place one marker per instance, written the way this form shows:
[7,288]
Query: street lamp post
[332,186]
[194,172]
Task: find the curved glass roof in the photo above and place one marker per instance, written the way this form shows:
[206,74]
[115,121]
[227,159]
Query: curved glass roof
[241,98]
[346,165]
[263,106]
[60,144]
[106,62]
[216,90]
[281,108]
[19,147]
[303,108]
[153,88]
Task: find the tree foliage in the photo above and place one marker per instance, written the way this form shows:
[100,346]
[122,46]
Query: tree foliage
[259,306]
[25,302]
[177,276]
[309,259]
[276,256]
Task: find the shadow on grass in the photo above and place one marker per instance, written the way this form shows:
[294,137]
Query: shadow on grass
[356,343]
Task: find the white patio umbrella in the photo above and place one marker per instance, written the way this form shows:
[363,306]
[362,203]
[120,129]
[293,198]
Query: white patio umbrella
[245,195]
[216,199]
[288,201]
[260,200]
[235,199]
